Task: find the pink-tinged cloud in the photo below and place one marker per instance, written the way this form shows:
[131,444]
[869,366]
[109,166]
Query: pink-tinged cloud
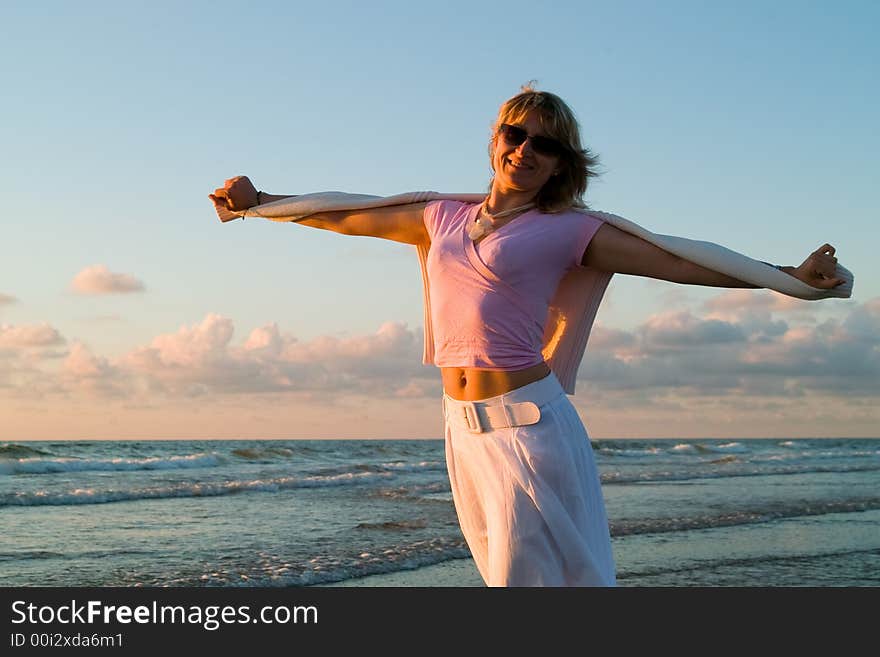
[97,279]
[28,357]
[201,359]
[674,352]
[681,330]
[82,363]
[676,374]
[194,345]
[609,339]
[671,358]
[265,341]
[754,310]
[83,371]
[28,336]
[765,300]
[6,299]
[679,352]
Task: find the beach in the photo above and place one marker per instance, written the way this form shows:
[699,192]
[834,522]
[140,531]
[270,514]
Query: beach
[453,573]
[373,513]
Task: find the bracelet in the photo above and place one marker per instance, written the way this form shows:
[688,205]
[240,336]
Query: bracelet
[258,203]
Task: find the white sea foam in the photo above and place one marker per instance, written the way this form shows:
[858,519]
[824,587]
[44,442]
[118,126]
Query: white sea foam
[99,496]
[422,466]
[755,514]
[735,469]
[735,448]
[620,451]
[69,464]
[710,448]
[275,571]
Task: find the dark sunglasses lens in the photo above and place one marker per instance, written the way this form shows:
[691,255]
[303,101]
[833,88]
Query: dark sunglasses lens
[547,146]
[513,135]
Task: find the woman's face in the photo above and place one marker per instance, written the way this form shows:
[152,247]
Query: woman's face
[520,168]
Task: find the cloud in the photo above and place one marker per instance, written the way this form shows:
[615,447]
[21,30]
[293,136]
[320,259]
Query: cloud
[749,352]
[97,279]
[83,371]
[201,359]
[36,335]
[608,339]
[674,330]
[737,301]
[81,363]
[27,356]
[6,299]
[685,369]
[680,353]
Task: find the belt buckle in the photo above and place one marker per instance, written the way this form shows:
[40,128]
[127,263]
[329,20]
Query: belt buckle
[472,418]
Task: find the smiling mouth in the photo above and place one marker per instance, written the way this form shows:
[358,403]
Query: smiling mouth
[517,165]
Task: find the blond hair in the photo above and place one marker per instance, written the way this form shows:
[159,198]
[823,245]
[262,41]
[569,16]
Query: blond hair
[576,165]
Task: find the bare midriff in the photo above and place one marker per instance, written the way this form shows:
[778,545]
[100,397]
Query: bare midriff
[470,384]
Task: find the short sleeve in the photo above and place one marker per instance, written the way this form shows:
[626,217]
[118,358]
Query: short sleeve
[432,217]
[589,226]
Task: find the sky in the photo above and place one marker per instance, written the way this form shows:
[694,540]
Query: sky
[128,311]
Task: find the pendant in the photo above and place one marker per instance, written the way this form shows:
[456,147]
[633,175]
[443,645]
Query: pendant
[479,229]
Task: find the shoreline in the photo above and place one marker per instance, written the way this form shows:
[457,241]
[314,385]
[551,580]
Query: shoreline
[452,573]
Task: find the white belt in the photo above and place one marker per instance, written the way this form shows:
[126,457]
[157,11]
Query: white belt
[478,417]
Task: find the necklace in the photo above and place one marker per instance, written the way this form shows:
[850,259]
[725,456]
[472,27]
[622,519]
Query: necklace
[485,221]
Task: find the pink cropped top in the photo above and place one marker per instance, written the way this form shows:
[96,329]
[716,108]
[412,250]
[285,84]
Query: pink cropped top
[490,299]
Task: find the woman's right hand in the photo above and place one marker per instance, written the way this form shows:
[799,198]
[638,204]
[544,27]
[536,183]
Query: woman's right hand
[237,194]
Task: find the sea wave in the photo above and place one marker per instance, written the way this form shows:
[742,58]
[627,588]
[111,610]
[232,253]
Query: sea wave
[275,571]
[27,555]
[623,451]
[745,516]
[402,525]
[19,451]
[71,464]
[422,466]
[262,453]
[415,491]
[752,562]
[743,470]
[812,455]
[728,458]
[395,466]
[189,489]
[710,448]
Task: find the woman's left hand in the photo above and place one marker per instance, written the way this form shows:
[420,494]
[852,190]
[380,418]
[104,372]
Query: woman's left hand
[819,269]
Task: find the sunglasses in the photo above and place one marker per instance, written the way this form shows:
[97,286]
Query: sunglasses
[514,135]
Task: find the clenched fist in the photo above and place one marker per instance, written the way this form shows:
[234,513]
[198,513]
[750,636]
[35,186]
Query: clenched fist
[819,269]
[236,195]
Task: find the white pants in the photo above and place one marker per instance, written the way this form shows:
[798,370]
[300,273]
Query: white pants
[528,498]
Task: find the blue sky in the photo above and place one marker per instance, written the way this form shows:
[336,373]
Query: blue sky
[749,124]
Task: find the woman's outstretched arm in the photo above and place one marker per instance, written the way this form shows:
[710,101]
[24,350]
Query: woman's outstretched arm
[614,250]
[399,223]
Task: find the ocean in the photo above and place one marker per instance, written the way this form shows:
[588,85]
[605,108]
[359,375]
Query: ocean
[308,512]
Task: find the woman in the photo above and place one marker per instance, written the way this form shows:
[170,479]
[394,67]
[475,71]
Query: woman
[523,476]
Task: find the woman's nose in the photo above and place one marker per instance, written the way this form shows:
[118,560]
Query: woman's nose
[525,147]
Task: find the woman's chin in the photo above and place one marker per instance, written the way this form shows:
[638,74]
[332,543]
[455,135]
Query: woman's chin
[521,183]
